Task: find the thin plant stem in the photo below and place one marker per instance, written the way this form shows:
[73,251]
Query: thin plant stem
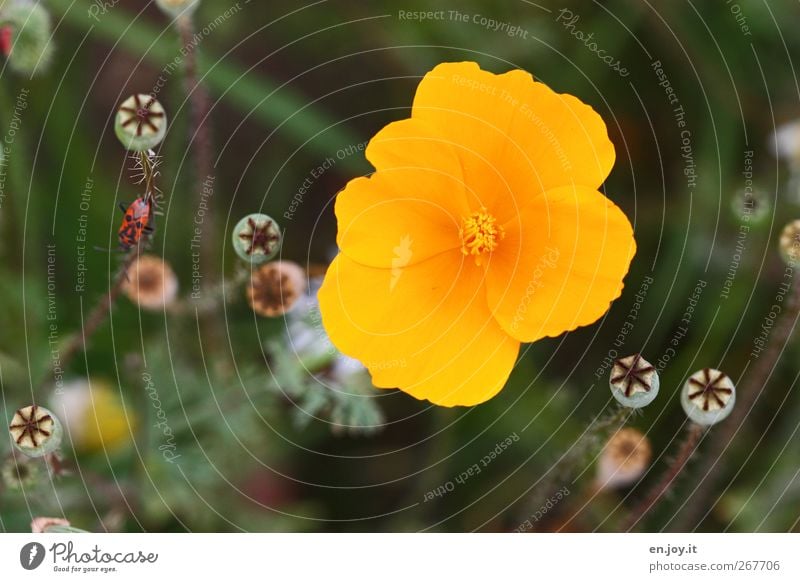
[200,139]
[589,441]
[747,393]
[693,434]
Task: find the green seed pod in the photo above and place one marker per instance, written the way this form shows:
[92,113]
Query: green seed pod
[753,206]
[141,123]
[28,32]
[708,397]
[634,381]
[20,473]
[789,244]
[178,7]
[35,431]
[257,238]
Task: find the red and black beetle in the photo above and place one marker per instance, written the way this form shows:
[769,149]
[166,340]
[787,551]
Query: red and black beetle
[136,222]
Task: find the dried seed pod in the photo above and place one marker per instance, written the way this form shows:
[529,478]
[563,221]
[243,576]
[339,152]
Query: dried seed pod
[789,244]
[25,35]
[35,431]
[178,7]
[256,238]
[634,381]
[708,396]
[151,283]
[624,459]
[275,288]
[141,123]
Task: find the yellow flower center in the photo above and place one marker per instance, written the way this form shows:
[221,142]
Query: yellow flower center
[480,234]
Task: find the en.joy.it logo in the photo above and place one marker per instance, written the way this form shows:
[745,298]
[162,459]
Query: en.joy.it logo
[31,555]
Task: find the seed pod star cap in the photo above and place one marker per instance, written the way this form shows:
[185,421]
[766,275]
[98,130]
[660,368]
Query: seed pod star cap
[634,381]
[256,238]
[141,123]
[708,397]
[35,431]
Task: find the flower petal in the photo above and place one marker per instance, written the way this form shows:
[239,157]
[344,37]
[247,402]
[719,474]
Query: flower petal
[561,264]
[410,209]
[518,137]
[425,328]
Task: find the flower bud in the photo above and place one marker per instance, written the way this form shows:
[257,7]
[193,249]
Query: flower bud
[624,459]
[256,238]
[789,243]
[25,35]
[634,381]
[178,7]
[275,288]
[708,397]
[141,123]
[35,431]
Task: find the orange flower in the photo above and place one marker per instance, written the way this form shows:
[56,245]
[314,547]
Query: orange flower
[481,228]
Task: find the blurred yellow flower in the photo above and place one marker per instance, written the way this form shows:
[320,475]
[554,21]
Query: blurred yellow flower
[482,227]
[94,416]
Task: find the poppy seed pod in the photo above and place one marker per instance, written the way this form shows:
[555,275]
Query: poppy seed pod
[275,288]
[256,238]
[35,431]
[708,397]
[178,7]
[634,381]
[26,32]
[141,123]
[624,459]
[789,243]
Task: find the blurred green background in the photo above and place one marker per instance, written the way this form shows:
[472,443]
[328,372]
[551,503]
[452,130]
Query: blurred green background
[293,84]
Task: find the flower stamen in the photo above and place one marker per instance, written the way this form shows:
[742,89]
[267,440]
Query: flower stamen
[480,234]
